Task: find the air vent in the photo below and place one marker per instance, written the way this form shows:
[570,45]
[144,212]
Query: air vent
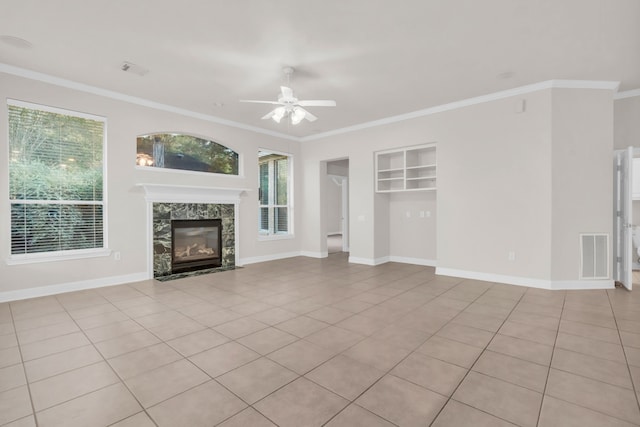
[594,256]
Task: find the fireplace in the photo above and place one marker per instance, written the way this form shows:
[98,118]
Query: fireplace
[196,244]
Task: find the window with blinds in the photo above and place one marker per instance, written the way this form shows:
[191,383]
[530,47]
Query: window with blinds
[274,188]
[55,180]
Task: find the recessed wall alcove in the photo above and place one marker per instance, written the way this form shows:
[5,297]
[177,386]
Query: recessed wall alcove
[166,203]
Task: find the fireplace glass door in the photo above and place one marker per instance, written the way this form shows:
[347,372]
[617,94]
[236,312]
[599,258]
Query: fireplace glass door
[196,244]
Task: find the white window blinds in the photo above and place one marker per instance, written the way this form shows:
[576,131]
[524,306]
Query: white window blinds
[55,180]
[275,185]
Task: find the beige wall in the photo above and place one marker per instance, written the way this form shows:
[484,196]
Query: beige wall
[494,188]
[497,172]
[582,183]
[126,210]
[627,122]
[525,183]
[412,237]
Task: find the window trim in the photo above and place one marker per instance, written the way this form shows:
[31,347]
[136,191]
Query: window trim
[290,199]
[16,259]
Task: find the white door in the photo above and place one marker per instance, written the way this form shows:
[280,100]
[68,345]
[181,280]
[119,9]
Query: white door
[623,248]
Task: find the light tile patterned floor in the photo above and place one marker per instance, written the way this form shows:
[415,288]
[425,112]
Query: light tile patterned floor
[307,342]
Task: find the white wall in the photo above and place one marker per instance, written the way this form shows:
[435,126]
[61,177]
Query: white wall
[495,197]
[627,122]
[582,176]
[334,204]
[412,238]
[496,175]
[126,211]
[494,189]
[369,212]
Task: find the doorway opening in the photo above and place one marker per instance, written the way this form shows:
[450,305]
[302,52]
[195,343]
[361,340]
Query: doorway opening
[337,206]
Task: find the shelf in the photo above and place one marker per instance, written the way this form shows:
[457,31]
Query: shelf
[419,167]
[391,161]
[427,178]
[420,156]
[406,169]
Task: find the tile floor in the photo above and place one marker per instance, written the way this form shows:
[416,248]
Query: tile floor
[307,342]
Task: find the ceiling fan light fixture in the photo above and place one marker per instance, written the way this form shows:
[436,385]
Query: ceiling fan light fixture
[278,114]
[297,115]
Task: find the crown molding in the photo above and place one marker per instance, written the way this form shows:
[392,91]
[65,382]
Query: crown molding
[69,84]
[549,84]
[627,94]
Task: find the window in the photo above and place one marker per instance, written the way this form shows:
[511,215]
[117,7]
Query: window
[275,193]
[55,181]
[185,152]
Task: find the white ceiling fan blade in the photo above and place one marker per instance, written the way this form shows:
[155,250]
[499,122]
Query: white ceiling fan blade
[268,115]
[287,93]
[308,115]
[261,102]
[317,103]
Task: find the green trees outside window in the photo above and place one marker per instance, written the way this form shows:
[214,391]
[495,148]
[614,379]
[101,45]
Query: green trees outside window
[55,179]
[186,152]
[274,203]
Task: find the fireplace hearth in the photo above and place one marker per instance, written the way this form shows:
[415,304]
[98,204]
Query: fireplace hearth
[196,244]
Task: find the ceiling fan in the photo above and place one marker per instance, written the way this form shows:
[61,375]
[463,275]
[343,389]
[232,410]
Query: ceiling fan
[289,105]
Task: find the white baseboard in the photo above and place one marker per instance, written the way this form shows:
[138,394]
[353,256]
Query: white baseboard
[43,291]
[415,261]
[270,257]
[583,284]
[368,261]
[527,281]
[310,254]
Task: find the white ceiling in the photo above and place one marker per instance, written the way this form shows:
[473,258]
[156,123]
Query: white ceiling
[376,58]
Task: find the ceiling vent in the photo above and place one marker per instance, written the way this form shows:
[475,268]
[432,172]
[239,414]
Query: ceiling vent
[132,68]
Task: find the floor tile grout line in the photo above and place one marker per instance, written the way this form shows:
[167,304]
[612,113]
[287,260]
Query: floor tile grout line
[623,350]
[24,370]
[375,382]
[368,290]
[187,359]
[308,379]
[477,358]
[409,354]
[553,352]
[112,370]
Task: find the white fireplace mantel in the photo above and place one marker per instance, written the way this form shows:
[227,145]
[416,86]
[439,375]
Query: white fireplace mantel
[163,193]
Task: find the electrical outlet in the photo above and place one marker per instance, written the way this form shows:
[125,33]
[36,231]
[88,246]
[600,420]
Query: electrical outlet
[511,256]
[116,255]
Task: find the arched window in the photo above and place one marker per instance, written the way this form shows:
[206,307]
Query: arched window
[186,152]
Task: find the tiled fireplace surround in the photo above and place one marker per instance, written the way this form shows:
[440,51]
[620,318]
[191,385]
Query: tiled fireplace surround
[164,213]
[166,203]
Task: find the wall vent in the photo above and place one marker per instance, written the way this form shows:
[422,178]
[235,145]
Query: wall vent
[594,256]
